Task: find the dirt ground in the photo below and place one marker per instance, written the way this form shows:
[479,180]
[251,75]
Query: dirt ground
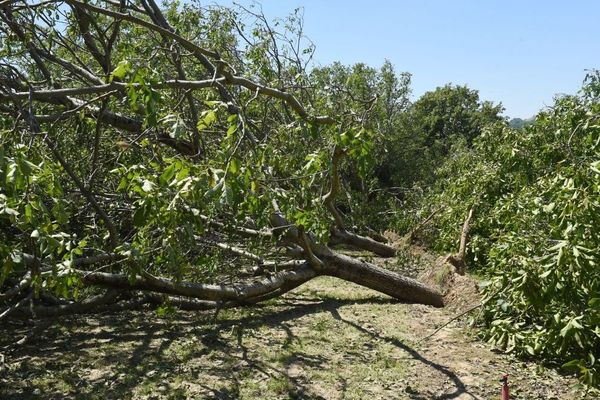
[327,340]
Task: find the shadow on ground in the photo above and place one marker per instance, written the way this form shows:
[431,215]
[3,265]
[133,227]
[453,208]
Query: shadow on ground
[251,353]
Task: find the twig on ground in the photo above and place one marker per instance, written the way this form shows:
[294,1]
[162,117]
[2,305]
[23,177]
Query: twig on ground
[449,322]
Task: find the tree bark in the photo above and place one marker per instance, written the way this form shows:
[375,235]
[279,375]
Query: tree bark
[336,265]
[236,292]
[359,272]
[458,260]
[362,242]
[379,279]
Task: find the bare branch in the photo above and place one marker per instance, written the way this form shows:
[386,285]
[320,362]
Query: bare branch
[237,292]
[10,310]
[18,288]
[413,232]
[458,260]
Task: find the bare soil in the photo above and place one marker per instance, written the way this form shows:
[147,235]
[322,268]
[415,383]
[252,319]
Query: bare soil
[327,340]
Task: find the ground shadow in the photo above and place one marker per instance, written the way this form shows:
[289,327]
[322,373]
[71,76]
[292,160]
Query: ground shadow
[138,352]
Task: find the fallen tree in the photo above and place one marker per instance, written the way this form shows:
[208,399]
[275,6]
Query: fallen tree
[159,156]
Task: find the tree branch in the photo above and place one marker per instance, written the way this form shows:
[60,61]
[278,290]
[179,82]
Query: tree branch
[458,260]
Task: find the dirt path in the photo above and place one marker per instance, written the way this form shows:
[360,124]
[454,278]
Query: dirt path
[327,340]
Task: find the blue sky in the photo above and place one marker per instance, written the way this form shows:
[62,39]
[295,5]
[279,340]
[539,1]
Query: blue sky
[520,53]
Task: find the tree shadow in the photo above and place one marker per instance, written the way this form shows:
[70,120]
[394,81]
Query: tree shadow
[139,353]
[458,384]
[332,305]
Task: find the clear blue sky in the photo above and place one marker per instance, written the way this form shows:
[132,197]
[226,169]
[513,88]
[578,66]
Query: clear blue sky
[520,53]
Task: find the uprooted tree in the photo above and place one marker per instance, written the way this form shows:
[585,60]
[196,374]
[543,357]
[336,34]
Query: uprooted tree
[179,155]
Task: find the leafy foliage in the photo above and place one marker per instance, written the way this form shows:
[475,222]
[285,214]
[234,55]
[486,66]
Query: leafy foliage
[536,230]
[422,137]
[149,140]
[124,135]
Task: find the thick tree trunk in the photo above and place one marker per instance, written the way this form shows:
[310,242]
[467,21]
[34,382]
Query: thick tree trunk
[356,271]
[72,308]
[337,265]
[376,236]
[381,280]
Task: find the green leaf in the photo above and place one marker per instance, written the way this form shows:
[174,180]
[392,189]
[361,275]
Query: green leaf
[231,130]
[210,117]
[28,211]
[121,70]
[545,274]
[234,166]
[167,175]
[573,364]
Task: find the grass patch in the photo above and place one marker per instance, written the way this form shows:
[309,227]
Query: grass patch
[300,347]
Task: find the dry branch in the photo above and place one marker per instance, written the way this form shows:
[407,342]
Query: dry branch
[458,260]
[15,307]
[16,289]
[410,236]
[221,70]
[362,242]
